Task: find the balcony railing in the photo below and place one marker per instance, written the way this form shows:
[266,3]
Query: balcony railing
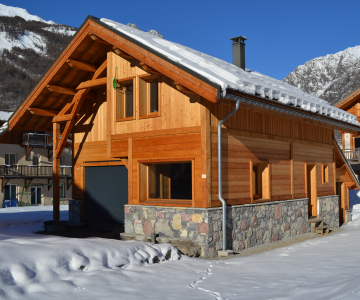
[37,140]
[22,171]
[352,155]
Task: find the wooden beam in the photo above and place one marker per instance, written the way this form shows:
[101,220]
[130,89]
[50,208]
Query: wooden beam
[62,118]
[3,183]
[182,89]
[65,108]
[79,97]
[76,105]
[122,53]
[96,39]
[69,91]
[81,65]
[61,89]
[43,112]
[100,69]
[92,83]
[148,69]
[27,151]
[56,174]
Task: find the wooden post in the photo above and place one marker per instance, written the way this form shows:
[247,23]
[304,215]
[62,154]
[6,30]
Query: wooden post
[56,174]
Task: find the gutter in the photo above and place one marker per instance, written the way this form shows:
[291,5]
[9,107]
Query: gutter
[237,105]
[313,116]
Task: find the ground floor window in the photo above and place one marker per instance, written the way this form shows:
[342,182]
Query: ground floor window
[168,180]
[260,181]
[36,195]
[325,173]
[10,191]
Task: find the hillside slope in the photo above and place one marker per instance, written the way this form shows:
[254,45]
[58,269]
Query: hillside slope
[28,47]
[331,77]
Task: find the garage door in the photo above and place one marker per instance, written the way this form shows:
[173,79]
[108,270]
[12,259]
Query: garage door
[106,193]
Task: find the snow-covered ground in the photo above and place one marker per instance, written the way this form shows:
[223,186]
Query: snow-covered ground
[48,267]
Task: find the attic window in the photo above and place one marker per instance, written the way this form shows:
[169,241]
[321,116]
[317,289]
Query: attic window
[125,100]
[149,96]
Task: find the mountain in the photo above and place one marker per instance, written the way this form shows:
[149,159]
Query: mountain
[331,77]
[29,46]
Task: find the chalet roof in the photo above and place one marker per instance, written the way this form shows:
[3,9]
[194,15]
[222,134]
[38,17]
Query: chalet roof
[229,76]
[207,76]
[349,100]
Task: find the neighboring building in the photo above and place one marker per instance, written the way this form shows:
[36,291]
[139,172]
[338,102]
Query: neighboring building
[351,141]
[26,166]
[146,141]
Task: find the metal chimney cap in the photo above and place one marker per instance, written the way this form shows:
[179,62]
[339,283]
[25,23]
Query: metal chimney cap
[239,39]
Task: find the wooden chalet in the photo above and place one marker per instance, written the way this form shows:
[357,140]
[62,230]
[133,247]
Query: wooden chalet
[144,126]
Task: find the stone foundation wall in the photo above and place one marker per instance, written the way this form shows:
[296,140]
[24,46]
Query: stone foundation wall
[328,209]
[247,225]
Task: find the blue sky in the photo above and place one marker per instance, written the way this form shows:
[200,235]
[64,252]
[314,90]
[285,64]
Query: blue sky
[281,34]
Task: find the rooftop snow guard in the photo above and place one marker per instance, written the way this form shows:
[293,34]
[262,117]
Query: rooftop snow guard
[229,76]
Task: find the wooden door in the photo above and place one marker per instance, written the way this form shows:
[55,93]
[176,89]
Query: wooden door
[312,189]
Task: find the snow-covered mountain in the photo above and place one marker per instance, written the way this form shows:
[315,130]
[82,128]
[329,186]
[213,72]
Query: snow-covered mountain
[331,77]
[28,47]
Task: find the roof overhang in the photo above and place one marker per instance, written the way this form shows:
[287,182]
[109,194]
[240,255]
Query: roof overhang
[349,100]
[275,106]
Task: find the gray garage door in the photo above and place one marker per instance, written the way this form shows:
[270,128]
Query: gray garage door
[106,193]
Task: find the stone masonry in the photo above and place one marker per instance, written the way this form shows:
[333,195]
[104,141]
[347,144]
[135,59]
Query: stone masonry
[247,225]
[328,209]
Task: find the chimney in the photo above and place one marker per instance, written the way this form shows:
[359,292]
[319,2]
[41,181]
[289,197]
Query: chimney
[239,51]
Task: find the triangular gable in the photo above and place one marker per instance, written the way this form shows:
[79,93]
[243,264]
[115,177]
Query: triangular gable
[107,38]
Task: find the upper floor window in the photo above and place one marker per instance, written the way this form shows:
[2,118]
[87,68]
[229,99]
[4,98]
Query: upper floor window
[149,96]
[125,100]
[10,159]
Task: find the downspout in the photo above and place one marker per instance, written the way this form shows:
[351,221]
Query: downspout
[237,105]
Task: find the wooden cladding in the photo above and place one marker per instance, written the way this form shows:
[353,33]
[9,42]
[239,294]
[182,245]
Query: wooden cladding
[265,122]
[261,170]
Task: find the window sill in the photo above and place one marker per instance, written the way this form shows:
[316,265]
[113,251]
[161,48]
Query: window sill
[125,119]
[165,202]
[261,200]
[154,115]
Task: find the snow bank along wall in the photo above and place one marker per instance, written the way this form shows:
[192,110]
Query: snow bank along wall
[247,225]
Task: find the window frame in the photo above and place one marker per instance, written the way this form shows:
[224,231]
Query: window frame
[9,155]
[263,179]
[38,158]
[11,184]
[145,186]
[148,78]
[134,84]
[325,173]
[36,193]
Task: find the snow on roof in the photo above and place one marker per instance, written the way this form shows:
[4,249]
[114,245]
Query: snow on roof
[229,76]
[5,115]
